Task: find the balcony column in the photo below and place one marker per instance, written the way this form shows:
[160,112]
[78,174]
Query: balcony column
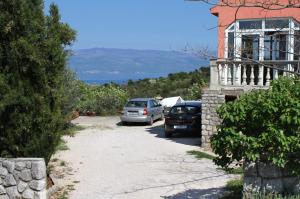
[225,74]
[220,73]
[260,75]
[252,76]
[244,83]
[237,74]
[275,74]
[229,75]
[268,77]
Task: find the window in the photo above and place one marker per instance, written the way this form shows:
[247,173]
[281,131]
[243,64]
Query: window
[185,110]
[257,24]
[136,104]
[297,45]
[275,46]
[230,48]
[250,47]
[277,23]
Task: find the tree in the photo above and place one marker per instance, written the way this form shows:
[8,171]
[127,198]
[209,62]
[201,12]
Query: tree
[32,65]
[262,126]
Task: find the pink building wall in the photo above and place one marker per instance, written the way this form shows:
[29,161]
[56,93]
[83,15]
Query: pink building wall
[227,15]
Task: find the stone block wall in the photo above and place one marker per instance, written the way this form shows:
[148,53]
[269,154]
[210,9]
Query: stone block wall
[260,177]
[211,100]
[23,178]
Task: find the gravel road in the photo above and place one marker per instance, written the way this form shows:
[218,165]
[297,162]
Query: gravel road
[136,162]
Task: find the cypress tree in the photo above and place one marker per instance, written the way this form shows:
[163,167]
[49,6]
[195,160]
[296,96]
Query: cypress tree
[32,65]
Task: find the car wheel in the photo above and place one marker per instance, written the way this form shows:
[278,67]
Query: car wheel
[168,134]
[150,121]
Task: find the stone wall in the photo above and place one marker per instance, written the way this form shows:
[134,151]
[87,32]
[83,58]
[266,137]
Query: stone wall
[211,100]
[268,178]
[23,178]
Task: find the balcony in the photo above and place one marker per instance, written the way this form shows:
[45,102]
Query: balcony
[247,75]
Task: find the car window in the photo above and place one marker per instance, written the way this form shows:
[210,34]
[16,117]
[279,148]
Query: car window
[152,104]
[185,110]
[155,103]
[136,104]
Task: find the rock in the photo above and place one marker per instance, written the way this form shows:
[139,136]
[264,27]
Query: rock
[20,166]
[28,165]
[40,194]
[16,175]
[1,181]
[3,172]
[25,175]
[22,186]
[37,185]
[268,171]
[9,180]
[28,194]
[10,166]
[4,197]
[272,185]
[252,184]
[2,190]
[250,169]
[12,192]
[38,170]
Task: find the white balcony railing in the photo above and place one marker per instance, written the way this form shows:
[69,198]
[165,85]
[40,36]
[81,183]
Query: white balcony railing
[246,73]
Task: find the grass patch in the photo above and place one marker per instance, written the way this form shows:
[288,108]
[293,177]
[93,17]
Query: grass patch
[235,188]
[64,195]
[236,171]
[200,155]
[72,129]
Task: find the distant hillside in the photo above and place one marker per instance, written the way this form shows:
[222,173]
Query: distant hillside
[104,64]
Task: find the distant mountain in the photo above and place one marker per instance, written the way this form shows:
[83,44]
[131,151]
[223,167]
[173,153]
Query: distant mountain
[119,65]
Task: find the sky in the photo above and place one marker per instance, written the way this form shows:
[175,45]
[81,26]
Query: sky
[139,24]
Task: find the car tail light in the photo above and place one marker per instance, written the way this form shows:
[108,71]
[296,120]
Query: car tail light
[145,111]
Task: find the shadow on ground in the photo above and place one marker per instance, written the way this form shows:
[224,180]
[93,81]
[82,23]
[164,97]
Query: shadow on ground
[213,193]
[182,137]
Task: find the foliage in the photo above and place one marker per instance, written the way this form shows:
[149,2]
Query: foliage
[72,92]
[32,65]
[261,126]
[104,100]
[235,188]
[188,85]
[200,155]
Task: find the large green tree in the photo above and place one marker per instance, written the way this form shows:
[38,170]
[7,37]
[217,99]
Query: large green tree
[32,65]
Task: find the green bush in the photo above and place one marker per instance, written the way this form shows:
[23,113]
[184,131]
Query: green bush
[103,100]
[261,126]
[32,65]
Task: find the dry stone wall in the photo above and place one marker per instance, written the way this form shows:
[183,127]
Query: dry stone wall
[23,178]
[211,100]
[261,177]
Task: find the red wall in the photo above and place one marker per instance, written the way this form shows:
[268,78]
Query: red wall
[227,15]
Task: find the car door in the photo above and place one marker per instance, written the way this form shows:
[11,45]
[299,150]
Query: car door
[152,109]
[157,109]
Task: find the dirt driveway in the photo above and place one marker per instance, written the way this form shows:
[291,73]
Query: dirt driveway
[136,162]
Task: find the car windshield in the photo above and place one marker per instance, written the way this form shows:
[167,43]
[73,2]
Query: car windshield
[136,104]
[185,110]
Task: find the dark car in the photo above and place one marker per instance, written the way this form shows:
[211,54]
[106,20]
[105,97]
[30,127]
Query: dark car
[184,117]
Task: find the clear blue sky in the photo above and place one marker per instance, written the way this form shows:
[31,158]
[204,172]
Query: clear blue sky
[139,24]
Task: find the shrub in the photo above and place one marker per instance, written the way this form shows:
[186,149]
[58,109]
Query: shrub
[32,64]
[261,126]
[104,100]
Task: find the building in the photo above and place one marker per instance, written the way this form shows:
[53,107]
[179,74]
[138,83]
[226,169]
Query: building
[258,40]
